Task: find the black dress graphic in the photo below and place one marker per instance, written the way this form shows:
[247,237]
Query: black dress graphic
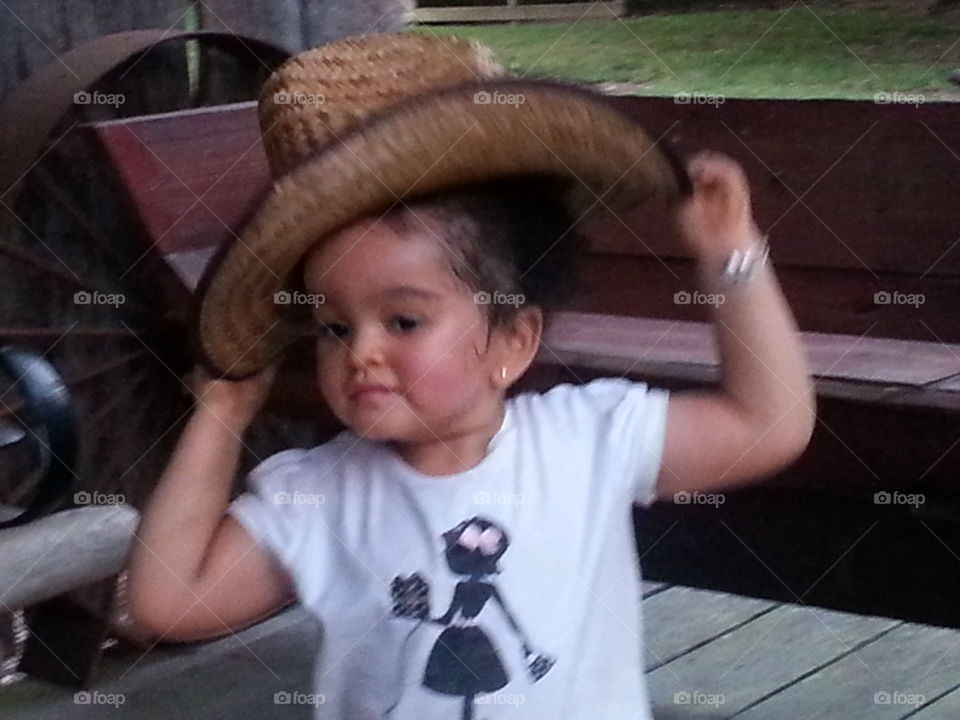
[464,661]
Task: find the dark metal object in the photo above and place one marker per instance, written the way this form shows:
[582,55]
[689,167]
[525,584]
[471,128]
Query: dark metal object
[48,409]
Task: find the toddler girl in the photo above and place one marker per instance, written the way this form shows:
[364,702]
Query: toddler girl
[469,552]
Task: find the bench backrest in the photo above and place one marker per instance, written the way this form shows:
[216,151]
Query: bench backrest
[860,199]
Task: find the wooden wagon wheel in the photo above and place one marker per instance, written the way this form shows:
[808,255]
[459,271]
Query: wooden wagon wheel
[83,284]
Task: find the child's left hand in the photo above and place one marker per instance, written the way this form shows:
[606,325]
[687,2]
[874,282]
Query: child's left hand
[717,218]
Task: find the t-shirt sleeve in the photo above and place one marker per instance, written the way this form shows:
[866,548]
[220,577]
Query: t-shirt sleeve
[264,510]
[631,430]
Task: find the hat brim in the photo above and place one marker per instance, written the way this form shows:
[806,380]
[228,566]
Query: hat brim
[440,140]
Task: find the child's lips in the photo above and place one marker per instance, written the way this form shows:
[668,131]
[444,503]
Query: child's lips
[370,394]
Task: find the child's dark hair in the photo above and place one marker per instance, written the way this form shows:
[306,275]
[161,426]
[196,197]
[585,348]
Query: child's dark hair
[509,236]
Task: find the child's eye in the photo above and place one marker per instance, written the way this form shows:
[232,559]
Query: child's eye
[328,331]
[405,322]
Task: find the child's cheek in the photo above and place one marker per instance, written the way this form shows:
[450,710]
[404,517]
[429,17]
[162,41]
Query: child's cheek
[445,373]
[330,377]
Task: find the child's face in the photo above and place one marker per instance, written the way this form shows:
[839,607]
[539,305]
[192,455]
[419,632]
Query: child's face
[395,315]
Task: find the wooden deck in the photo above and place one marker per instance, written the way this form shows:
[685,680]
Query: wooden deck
[708,655]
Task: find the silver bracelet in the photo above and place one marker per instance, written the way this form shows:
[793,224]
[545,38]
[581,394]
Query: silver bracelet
[742,265]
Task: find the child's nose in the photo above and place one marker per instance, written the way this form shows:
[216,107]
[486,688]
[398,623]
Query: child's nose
[366,348]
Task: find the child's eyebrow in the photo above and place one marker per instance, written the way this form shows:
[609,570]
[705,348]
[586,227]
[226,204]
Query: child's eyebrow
[410,290]
[401,290]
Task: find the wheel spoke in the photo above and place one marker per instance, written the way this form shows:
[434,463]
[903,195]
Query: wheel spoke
[8,411]
[86,221]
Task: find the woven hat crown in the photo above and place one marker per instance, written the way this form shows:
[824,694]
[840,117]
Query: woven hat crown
[317,96]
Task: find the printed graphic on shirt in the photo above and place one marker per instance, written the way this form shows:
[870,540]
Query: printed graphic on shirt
[465,661]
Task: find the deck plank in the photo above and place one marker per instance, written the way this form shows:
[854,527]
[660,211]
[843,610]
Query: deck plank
[884,680]
[741,667]
[941,708]
[680,618]
[224,679]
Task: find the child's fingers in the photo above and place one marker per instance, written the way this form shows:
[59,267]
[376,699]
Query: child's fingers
[709,165]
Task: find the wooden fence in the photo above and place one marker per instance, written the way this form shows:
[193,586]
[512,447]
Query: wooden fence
[454,11]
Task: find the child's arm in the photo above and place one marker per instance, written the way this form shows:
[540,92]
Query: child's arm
[763,417]
[194,572]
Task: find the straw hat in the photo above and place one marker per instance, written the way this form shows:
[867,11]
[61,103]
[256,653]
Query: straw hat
[353,127]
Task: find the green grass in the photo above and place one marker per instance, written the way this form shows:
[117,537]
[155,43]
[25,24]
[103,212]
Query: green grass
[776,53]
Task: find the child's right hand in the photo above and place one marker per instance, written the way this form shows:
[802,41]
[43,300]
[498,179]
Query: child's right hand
[235,402]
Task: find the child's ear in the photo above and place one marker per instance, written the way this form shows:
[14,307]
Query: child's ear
[520,342]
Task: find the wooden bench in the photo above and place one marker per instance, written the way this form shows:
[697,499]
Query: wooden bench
[63,541]
[843,235]
[858,198]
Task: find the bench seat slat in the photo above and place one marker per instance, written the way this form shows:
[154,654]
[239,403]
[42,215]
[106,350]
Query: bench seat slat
[63,551]
[666,348]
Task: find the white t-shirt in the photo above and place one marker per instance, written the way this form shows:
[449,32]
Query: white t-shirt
[526,561]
